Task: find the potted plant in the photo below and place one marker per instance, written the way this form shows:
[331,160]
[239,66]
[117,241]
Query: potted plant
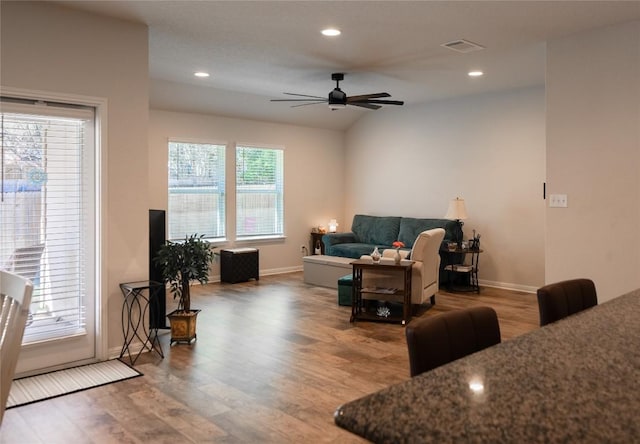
[183,262]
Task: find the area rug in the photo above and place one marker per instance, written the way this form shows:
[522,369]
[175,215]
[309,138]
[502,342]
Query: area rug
[63,382]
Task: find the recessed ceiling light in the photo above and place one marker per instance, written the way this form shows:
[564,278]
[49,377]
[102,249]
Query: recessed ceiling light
[201,74]
[475,73]
[331,32]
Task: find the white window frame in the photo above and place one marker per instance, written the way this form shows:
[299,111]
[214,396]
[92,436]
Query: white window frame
[274,235]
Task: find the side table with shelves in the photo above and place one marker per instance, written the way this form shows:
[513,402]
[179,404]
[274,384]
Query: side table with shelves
[469,269]
[360,295]
[316,238]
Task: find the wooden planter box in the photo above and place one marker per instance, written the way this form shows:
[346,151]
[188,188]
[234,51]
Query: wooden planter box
[183,326]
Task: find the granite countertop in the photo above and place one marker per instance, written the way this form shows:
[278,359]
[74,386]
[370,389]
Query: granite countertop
[577,380]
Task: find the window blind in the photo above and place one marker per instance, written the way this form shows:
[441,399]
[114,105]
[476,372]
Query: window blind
[259,192]
[196,190]
[47,212]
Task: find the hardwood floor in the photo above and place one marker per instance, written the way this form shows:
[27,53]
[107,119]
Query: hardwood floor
[272,362]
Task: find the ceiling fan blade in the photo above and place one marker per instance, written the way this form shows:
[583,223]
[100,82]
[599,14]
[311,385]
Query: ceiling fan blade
[364,105]
[367,96]
[305,104]
[385,102]
[303,95]
[318,100]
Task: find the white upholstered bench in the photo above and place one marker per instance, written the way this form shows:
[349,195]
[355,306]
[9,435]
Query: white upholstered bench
[325,270]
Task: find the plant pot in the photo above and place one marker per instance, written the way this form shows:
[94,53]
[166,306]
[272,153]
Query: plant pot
[183,325]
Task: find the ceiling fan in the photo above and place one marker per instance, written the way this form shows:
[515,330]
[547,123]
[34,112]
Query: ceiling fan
[338,99]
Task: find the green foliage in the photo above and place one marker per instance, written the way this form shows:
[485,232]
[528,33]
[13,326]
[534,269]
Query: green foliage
[183,262]
[256,166]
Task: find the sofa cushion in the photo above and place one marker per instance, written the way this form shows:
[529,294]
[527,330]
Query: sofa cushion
[375,230]
[330,239]
[411,227]
[353,250]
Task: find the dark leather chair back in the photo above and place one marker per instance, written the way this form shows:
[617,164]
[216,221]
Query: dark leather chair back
[561,299]
[438,340]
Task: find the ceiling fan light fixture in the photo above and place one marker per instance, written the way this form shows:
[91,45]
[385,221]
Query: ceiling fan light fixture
[338,99]
[331,32]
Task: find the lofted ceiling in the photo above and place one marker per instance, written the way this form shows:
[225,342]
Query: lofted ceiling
[257,50]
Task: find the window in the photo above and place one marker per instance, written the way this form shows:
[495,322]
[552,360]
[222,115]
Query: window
[47,212]
[196,190]
[259,192]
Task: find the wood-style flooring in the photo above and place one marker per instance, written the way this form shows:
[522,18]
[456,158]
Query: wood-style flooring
[273,360]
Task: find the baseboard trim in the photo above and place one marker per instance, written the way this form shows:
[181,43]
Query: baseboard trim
[484,283]
[281,270]
[508,286]
[134,348]
[269,272]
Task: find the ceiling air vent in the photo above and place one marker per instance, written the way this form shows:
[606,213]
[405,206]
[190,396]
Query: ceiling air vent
[463,46]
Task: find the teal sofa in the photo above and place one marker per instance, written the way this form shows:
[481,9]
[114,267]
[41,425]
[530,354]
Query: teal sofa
[368,232]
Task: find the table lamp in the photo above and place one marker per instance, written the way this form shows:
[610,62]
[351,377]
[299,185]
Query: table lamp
[333,226]
[457,211]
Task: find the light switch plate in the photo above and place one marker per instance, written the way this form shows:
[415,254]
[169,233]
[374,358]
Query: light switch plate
[558,200]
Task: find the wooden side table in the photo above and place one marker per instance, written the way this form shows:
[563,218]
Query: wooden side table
[315,239]
[358,311]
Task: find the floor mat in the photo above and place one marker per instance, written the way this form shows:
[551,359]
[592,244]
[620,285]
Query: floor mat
[63,382]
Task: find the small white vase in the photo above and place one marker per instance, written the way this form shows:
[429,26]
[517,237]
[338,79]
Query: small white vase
[375,255]
[397,257]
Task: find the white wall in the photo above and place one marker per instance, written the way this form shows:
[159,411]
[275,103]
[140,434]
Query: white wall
[487,149]
[50,48]
[314,172]
[593,156]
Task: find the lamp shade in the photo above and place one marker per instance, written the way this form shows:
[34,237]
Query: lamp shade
[333,225]
[457,210]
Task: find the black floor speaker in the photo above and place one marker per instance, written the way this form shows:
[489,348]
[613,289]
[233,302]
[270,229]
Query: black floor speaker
[157,238]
